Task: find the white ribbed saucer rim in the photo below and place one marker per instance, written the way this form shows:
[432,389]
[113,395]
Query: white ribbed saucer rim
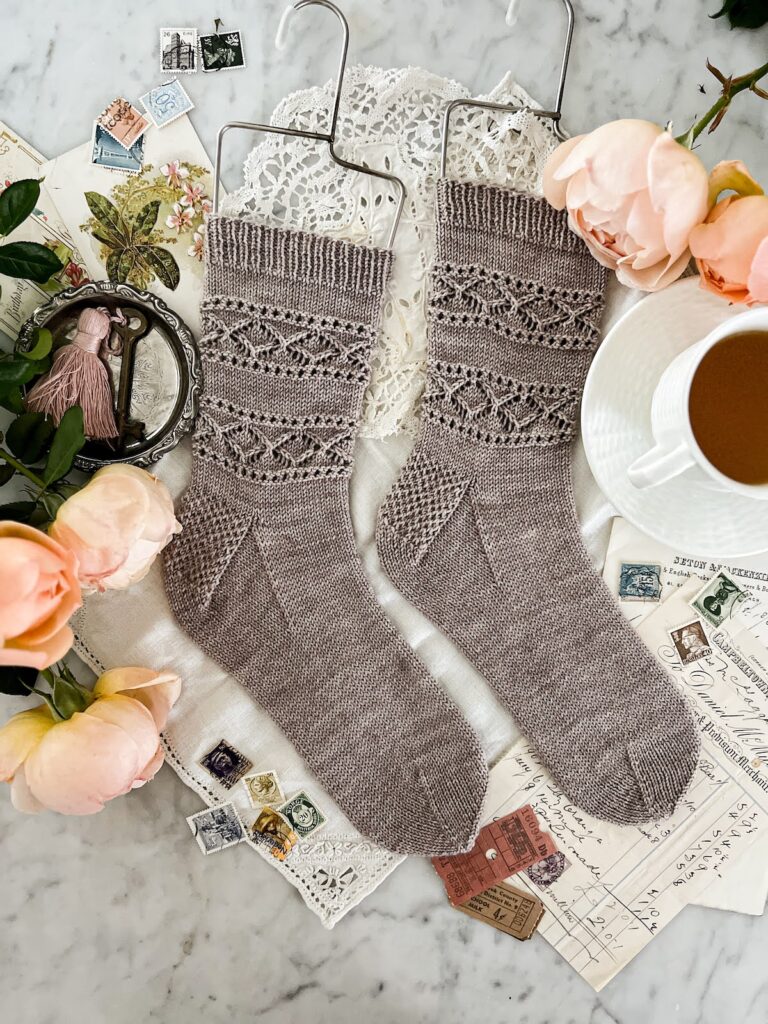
[611,374]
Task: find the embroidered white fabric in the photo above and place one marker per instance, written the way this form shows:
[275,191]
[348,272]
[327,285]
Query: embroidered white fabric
[390,120]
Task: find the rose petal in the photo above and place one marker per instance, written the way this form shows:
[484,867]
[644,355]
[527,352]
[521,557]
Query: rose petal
[157,691]
[678,185]
[82,763]
[554,188]
[757,282]
[151,768]
[731,175]
[730,238]
[22,797]
[19,737]
[131,716]
[615,154]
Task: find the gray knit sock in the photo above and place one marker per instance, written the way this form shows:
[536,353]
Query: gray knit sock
[266,576]
[480,531]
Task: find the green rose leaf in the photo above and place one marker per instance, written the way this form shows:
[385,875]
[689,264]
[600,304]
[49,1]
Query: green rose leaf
[145,220]
[11,398]
[16,370]
[69,697]
[161,263]
[17,511]
[109,217]
[43,343]
[6,472]
[29,260]
[67,442]
[29,436]
[17,202]
[744,13]
[15,680]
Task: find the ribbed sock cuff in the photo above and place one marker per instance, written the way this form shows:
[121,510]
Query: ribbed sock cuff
[506,212]
[296,255]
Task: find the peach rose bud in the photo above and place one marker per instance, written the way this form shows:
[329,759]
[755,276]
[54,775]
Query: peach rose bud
[116,526]
[731,247]
[39,592]
[75,766]
[634,194]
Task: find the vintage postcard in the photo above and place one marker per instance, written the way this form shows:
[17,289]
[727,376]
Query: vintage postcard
[156,217]
[19,299]
[624,884]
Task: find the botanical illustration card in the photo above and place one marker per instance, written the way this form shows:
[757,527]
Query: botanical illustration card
[145,228]
[18,299]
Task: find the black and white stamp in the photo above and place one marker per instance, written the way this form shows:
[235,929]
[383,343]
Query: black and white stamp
[640,581]
[178,50]
[718,599]
[303,814]
[217,828]
[222,51]
[690,642]
[226,764]
[263,788]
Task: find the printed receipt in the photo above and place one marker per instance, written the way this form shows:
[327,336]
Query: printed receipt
[622,884]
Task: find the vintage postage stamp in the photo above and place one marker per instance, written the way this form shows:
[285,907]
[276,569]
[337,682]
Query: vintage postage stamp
[273,829]
[166,102]
[690,642]
[226,764]
[546,871]
[640,581]
[108,152]
[718,599]
[216,828]
[303,814]
[222,51]
[123,121]
[178,50]
[263,788]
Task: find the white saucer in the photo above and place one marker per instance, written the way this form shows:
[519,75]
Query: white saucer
[685,513]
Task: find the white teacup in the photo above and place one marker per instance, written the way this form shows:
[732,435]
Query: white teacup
[676,450]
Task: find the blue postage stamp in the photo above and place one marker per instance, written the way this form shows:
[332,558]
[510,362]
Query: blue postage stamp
[167,102]
[640,581]
[107,152]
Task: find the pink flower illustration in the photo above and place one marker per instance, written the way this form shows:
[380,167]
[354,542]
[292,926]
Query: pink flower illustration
[193,195]
[175,173]
[181,218]
[196,249]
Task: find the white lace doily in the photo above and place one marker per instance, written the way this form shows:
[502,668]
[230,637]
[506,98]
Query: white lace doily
[391,120]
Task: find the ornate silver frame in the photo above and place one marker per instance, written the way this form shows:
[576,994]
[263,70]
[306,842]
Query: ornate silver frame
[187,351]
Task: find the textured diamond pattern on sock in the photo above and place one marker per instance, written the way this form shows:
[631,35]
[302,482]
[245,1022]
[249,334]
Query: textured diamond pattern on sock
[497,409]
[514,307]
[273,448]
[308,344]
[422,503]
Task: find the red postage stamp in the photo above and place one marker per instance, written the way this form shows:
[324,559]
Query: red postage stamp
[506,846]
[123,121]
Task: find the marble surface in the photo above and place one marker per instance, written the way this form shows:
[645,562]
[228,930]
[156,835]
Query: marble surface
[118,917]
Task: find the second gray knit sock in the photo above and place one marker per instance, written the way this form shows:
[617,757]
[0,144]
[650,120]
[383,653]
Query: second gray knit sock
[480,531]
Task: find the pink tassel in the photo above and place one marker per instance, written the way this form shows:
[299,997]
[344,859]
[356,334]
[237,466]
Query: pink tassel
[79,377]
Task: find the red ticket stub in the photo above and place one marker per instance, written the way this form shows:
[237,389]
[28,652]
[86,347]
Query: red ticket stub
[506,846]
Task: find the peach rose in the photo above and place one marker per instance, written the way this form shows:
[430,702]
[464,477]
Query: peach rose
[731,247]
[75,766]
[116,526]
[38,593]
[634,195]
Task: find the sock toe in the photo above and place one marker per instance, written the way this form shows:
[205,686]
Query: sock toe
[664,767]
